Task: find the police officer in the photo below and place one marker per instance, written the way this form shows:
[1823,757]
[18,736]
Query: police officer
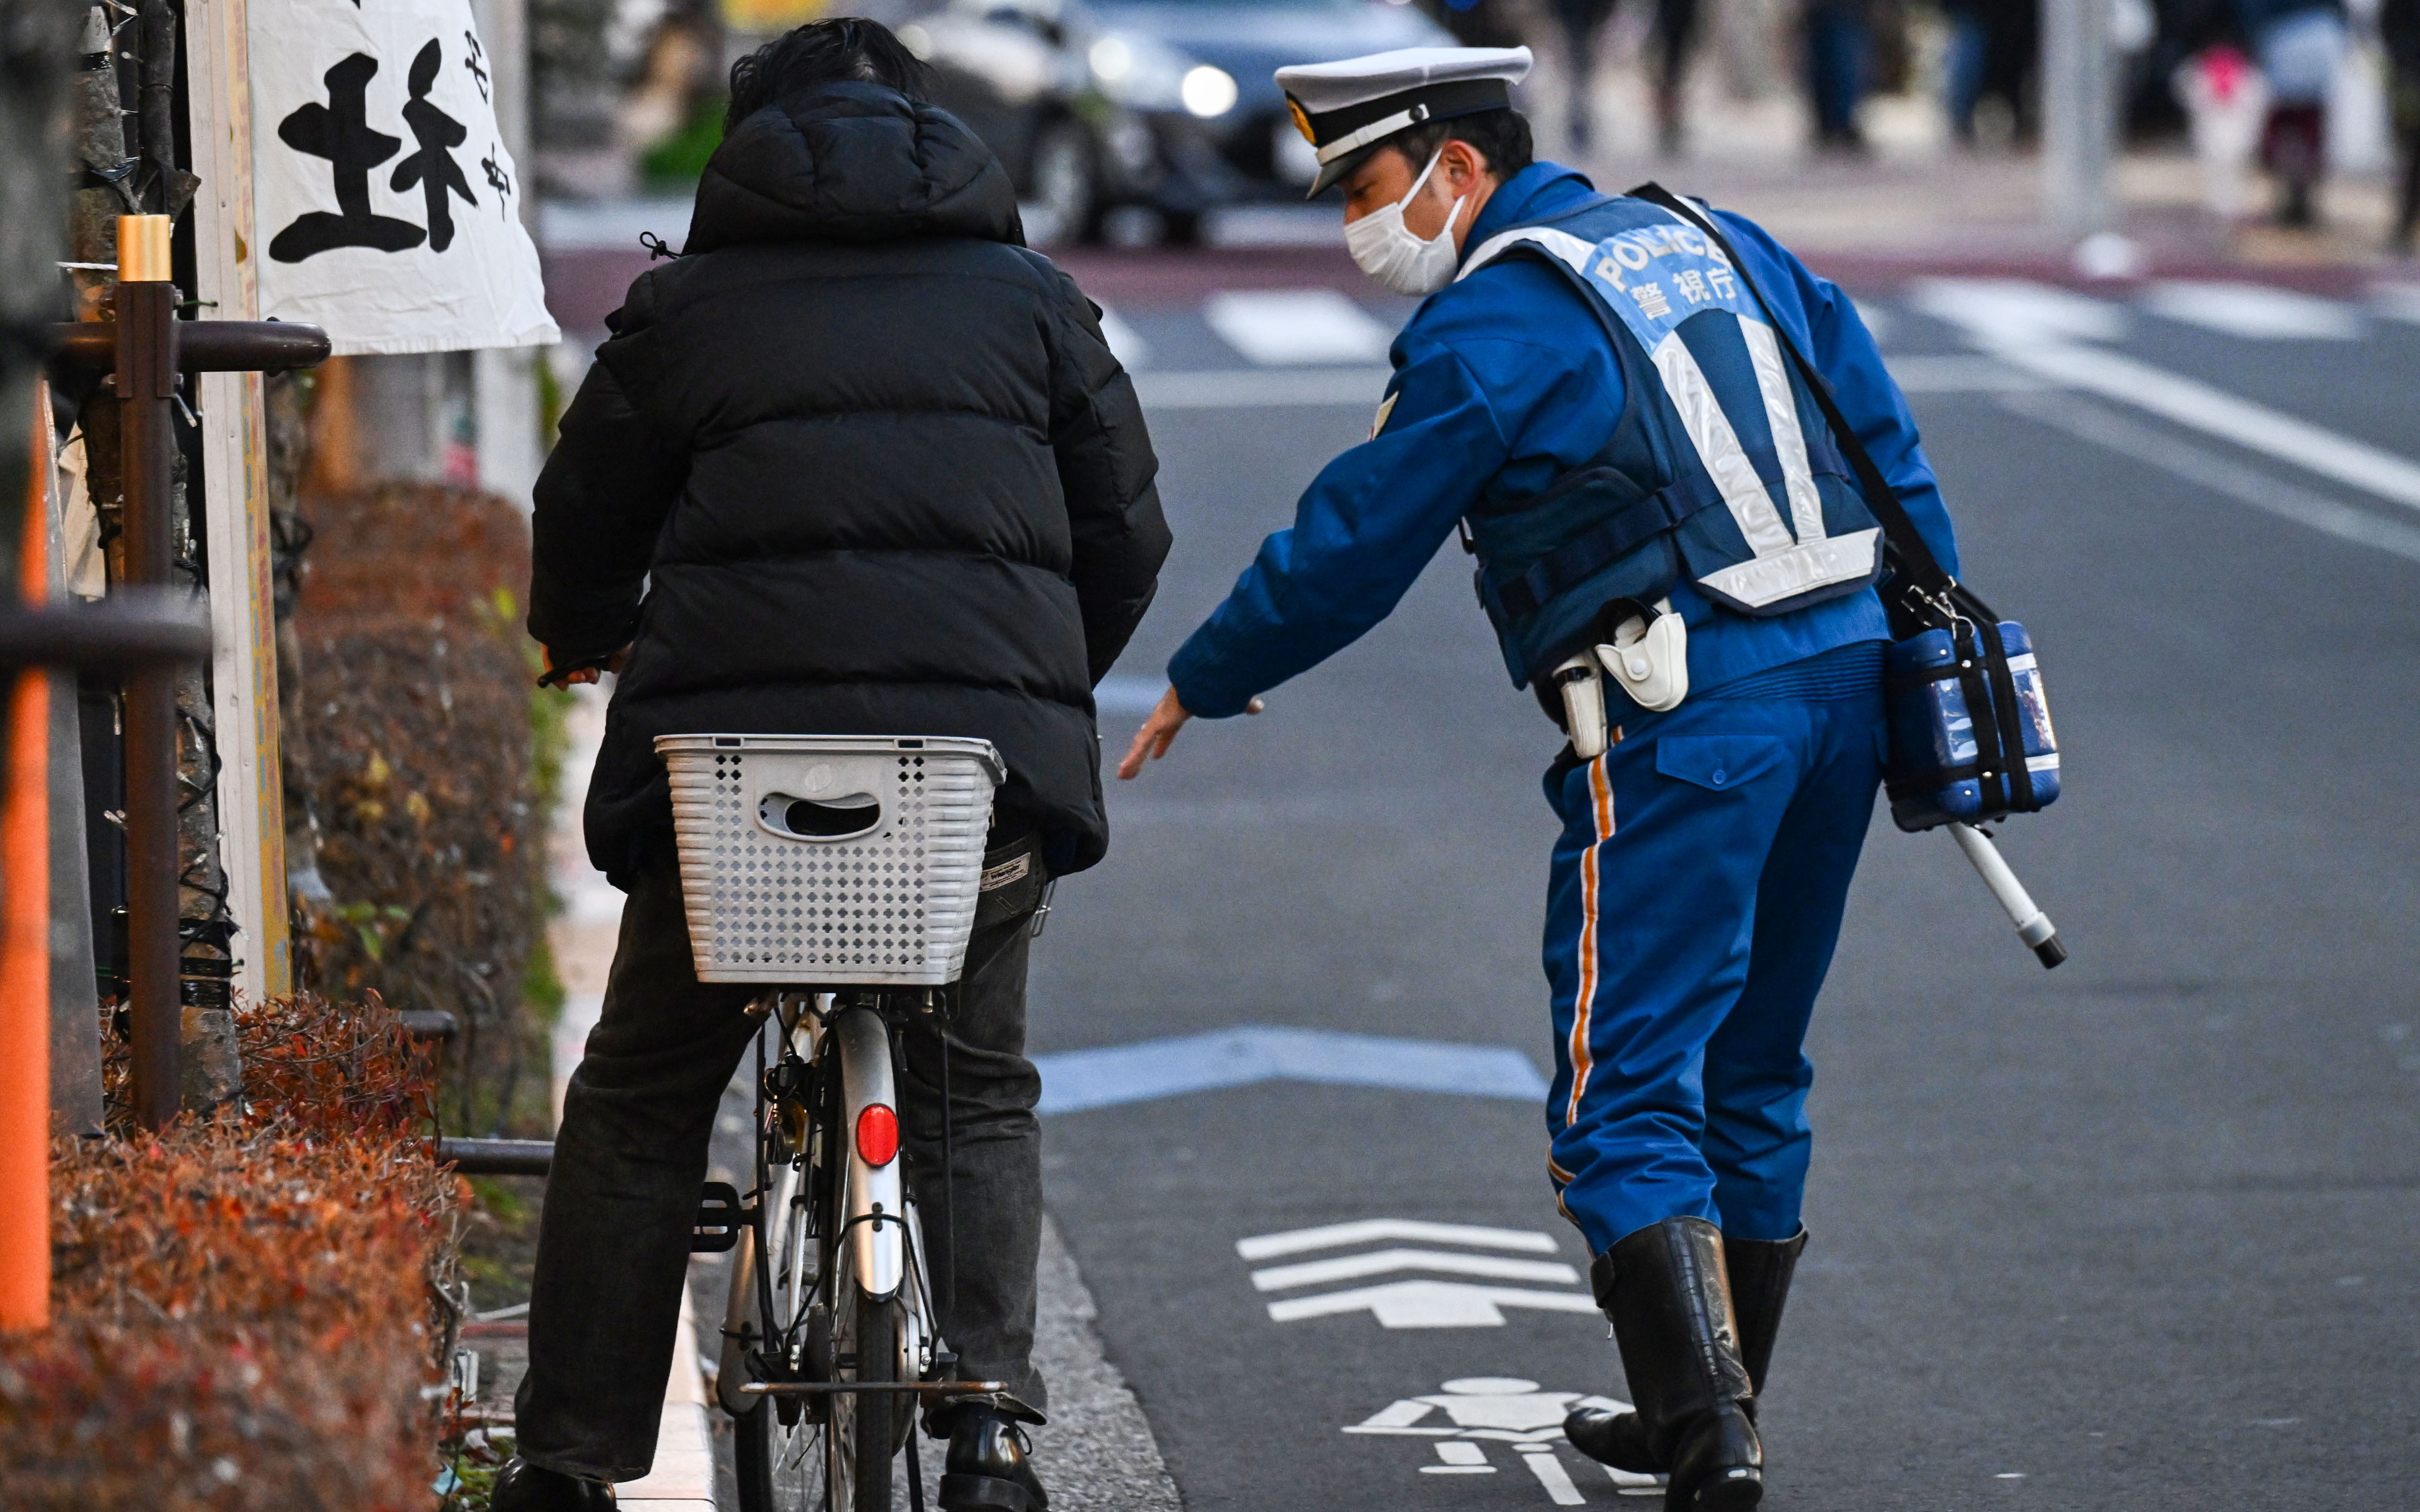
[1673,553]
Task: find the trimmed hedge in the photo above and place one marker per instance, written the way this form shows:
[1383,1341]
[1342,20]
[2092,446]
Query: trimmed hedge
[252,1309]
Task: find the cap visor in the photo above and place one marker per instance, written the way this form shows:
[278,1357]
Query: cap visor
[1332,173]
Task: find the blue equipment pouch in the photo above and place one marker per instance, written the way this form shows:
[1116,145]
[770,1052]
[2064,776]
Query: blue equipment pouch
[1970,732]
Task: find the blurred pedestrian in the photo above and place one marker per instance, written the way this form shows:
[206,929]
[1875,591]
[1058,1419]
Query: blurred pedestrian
[1993,45]
[2226,104]
[1839,44]
[1674,39]
[1582,21]
[2398,25]
[2300,44]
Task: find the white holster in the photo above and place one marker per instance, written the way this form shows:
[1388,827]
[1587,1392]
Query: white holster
[1648,659]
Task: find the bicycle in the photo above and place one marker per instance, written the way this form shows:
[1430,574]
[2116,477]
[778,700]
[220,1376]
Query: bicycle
[841,873]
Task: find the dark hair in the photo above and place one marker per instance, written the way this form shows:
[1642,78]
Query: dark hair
[822,51]
[1500,137]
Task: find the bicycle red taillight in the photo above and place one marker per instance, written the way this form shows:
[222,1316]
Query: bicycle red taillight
[877,1134]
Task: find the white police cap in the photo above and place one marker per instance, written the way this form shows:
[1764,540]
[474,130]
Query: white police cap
[1346,109]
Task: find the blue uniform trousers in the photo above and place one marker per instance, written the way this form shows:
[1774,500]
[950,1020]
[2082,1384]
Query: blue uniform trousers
[1695,899]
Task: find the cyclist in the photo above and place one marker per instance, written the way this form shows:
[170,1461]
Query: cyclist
[856,462]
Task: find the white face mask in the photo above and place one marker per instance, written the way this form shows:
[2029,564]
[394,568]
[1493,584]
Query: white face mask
[1389,252]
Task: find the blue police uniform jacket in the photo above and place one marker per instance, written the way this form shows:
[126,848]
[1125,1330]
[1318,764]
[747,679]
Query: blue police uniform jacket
[1510,385]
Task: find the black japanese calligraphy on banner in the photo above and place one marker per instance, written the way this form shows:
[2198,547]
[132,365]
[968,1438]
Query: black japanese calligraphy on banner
[390,204]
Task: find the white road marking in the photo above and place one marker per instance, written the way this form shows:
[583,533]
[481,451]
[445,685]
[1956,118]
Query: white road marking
[1960,373]
[1460,1458]
[1431,1304]
[1295,327]
[2014,310]
[1554,1478]
[2193,403]
[1252,389]
[1129,348]
[2210,471]
[2254,311]
[1333,1236]
[1378,1262]
[2395,302]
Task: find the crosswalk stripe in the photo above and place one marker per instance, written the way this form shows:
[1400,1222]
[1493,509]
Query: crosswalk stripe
[1295,327]
[2254,311]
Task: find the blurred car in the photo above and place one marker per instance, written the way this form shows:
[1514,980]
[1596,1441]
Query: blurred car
[1168,104]
[1197,73]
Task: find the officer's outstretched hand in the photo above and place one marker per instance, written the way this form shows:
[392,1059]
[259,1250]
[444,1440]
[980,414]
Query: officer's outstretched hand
[1158,733]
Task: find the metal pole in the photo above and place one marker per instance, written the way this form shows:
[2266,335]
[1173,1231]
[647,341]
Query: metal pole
[2078,116]
[146,376]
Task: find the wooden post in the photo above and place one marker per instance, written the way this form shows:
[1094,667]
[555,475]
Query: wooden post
[146,377]
[26,957]
[234,483]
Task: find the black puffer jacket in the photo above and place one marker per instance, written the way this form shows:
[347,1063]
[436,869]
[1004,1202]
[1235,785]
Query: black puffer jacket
[873,465]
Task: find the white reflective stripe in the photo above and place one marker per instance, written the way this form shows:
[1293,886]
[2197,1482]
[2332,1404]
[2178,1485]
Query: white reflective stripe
[1802,568]
[1370,132]
[1719,448]
[2023,662]
[1788,441]
[2042,764]
[1561,244]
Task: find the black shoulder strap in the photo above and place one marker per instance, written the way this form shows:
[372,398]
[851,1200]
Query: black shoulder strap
[1938,599]
[1912,559]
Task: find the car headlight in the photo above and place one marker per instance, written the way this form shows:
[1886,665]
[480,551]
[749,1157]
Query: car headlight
[1207,91]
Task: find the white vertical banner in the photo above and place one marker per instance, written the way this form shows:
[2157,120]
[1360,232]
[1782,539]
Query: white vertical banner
[387,205]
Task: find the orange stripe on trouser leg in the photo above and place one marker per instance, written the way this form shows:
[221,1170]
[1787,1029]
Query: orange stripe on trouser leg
[1601,806]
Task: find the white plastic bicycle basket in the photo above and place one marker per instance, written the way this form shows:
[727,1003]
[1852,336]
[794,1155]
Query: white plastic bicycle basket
[830,859]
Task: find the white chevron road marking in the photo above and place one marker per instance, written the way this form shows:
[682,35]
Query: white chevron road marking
[1431,1304]
[1366,1230]
[1379,1262]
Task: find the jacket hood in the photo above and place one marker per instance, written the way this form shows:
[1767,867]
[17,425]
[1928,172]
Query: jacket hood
[851,162]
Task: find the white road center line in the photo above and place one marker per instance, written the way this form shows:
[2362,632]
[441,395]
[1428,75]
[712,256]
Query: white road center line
[1379,1262]
[2090,423]
[2254,311]
[1366,1230]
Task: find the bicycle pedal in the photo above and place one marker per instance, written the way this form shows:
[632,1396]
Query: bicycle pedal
[719,1222]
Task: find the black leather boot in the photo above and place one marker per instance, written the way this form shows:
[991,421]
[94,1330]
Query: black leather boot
[1760,1271]
[989,1466]
[1667,1292]
[522,1487]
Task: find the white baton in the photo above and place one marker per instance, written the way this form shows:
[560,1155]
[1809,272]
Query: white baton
[2033,926]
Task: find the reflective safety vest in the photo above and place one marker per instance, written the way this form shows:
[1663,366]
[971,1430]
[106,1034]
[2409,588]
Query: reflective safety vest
[1720,472]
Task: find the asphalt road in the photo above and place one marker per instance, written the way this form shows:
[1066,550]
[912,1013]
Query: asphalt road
[2137,1233]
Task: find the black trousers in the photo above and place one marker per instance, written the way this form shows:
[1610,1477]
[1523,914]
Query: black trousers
[613,1250]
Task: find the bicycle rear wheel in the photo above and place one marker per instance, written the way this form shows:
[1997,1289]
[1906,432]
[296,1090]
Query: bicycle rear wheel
[865,1425]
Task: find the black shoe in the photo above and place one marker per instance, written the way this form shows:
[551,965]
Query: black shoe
[1759,1271]
[1667,1292]
[990,1468]
[522,1487]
